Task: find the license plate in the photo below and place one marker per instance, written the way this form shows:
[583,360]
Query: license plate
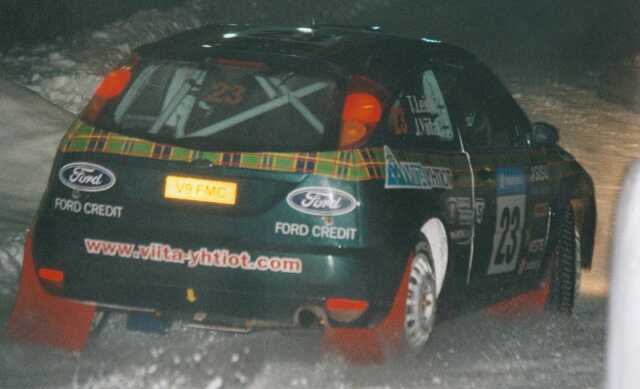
[197,189]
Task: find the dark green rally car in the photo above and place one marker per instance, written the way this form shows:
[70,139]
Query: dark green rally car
[329,177]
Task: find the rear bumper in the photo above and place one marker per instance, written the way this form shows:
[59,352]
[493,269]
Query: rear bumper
[236,296]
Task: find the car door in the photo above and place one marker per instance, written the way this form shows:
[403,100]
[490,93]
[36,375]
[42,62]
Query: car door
[540,190]
[492,131]
[420,131]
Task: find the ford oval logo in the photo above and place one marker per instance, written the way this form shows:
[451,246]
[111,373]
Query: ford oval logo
[86,177]
[321,201]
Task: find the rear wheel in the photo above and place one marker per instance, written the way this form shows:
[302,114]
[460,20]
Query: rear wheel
[565,268]
[407,326]
[421,300]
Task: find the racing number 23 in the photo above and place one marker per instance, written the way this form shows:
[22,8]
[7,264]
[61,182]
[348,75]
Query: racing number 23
[508,234]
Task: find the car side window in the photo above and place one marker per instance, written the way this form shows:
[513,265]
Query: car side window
[509,120]
[419,116]
[486,115]
[468,115]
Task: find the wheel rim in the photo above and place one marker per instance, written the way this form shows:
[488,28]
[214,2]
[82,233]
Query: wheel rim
[420,303]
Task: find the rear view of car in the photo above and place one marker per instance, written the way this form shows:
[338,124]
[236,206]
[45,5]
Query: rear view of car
[222,189]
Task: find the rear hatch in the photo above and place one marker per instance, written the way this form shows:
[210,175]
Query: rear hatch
[177,169]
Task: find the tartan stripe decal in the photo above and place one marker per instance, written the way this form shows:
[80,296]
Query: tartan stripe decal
[349,165]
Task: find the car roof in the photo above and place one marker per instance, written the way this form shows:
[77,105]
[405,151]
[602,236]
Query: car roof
[355,49]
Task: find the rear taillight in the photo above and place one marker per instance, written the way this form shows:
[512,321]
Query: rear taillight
[53,278]
[361,112]
[345,310]
[112,86]
[114,83]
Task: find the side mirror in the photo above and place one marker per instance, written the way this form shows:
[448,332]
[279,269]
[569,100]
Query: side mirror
[544,134]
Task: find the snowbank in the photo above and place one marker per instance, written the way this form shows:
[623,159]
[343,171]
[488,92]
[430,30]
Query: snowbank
[10,265]
[11,251]
[68,71]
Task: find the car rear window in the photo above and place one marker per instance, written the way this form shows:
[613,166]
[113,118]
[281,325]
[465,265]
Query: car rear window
[226,105]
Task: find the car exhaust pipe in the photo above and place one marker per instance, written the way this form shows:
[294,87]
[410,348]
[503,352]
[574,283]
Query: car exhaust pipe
[310,316]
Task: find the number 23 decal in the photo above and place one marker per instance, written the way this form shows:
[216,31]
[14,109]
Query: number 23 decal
[223,93]
[508,237]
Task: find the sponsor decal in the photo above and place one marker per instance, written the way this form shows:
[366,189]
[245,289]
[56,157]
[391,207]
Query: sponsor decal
[87,208]
[316,231]
[224,93]
[510,220]
[430,115]
[86,177]
[414,175]
[425,126]
[539,173]
[536,246]
[510,181]
[461,213]
[203,257]
[480,206]
[462,236]
[364,164]
[419,105]
[321,201]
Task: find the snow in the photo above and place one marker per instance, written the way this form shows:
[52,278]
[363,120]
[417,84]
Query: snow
[471,351]
[31,129]
[216,383]
[10,265]
[67,72]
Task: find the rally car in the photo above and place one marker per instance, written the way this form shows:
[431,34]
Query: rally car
[327,177]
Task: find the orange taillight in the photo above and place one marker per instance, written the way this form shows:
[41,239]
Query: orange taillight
[345,310]
[52,277]
[352,133]
[363,108]
[114,83]
[361,112]
[111,86]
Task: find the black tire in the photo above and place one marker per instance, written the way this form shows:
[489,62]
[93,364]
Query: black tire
[565,268]
[421,301]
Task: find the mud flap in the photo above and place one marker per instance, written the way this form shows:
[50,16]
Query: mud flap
[41,318]
[532,302]
[373,344]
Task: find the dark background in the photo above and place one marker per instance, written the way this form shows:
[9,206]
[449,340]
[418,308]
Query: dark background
[31,21]
[582,30]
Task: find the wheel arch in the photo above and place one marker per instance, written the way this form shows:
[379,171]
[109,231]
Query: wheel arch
[436,234]
[578,194]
